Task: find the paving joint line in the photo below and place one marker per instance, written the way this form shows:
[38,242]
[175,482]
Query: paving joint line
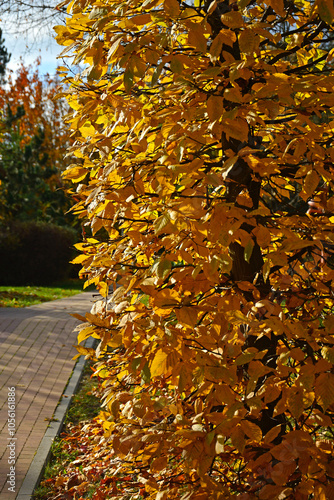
[42,455]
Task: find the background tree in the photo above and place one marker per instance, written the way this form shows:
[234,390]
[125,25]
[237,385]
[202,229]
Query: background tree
[32,148]
[30,17]
[202,130]
[4,58]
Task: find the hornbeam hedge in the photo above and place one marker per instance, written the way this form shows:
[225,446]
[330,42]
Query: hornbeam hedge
[203,160]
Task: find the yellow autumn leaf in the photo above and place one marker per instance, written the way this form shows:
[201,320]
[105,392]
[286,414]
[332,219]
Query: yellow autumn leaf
[103,289]
[311,182]
[159,364]
[238,438]
[166,298]
[215,107]
[172,8]
[85,333]
[252,430]
[233,19]
[277,6]
[87,129]
[248,41]
[74,173]
[237,128]
[197,39]
[64,35]
[326,10]
[187,315]
[324,389]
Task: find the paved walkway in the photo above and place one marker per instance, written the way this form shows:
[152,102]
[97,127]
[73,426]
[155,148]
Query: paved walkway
[36,350]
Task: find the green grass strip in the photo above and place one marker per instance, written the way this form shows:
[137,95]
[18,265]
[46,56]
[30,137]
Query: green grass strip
[24,296]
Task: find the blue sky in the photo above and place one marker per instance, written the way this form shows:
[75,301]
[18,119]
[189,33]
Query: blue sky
[33,45]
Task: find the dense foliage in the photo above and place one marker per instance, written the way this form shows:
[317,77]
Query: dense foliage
[202,130]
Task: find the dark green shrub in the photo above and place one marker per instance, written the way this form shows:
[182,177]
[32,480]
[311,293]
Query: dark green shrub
[35,253]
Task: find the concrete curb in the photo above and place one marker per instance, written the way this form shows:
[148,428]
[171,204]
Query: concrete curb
[36,469]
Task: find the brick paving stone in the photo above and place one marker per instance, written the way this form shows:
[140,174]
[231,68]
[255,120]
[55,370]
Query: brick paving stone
[36,351]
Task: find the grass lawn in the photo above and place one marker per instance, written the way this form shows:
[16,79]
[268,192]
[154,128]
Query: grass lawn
[23,296]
